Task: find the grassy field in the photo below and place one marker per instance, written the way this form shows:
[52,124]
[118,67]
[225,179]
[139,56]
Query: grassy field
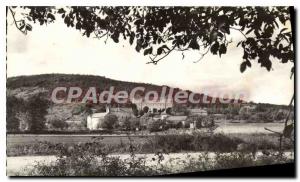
[232,126]
[246,131]
[174,151]
[16,140]
[37,145]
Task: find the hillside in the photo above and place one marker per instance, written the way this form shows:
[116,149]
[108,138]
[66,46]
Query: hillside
[29,94]
[50,81]
[26,86]
[24,89]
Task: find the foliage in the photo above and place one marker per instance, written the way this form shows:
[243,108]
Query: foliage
[204,121]
[169,111]
[58,124]
[167,143]
[110,121]
[13,106]
[234,160]
[80,109]
[31,111]
[37,107]
[146,109]
[158,31]
[93,159]
[156,125]
[131,124]
[280,115]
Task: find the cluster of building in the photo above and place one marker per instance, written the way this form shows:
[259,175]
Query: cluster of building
[95,119]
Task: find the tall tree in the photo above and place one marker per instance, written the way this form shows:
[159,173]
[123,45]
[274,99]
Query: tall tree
[37,107]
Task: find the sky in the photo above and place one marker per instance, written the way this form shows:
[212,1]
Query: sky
[55,48]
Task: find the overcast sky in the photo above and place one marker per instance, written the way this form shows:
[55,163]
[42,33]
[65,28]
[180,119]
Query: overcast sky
[55,48]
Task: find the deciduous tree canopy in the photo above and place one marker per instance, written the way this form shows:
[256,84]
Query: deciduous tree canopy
[158,31]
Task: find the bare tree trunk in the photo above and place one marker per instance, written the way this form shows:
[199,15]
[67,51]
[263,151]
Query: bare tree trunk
[281,137]
[285,124]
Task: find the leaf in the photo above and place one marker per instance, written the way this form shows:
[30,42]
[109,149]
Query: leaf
[282,30]
[78,25]
[276,24]
[243,67]
[138,47]
[239,43]
[61,10]
[249,31]
[22,26]
[29,18]
[28,27]
[225,29]
[115,37]
[138,22]
[131,39]
[194,44]
[148,51]
[248,63]
[222,50]
[159,51]
[214,48]
[165,47]
[265,62]
[51,16]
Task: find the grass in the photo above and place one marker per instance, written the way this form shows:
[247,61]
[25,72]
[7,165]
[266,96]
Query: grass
[94,158]
[78,161]
[165,143]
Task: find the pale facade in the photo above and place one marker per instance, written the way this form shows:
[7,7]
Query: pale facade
[159,104]
[95,120]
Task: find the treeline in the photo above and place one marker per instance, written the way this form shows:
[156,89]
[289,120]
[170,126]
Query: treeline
[51,81]
[26,114]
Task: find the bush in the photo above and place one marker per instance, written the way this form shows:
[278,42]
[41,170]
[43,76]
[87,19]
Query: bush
[196,142]
[14,106]
[37,107]
[91,159]
[110,122]
[156,125]
[280,116]
[233,160]
[58,124]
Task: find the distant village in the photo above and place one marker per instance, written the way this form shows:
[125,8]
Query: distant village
[159,115]
[136,115]
[164,114]
[147,112]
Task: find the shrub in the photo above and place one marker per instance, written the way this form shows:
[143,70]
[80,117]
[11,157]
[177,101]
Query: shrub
[196,142]
[146,109]
[91,159]
[37,107]
[156,125]
[59,124]
[14,106]
[233,160]
[110,121]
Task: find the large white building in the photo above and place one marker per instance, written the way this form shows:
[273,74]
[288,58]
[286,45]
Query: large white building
[159,104]
[95,120]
